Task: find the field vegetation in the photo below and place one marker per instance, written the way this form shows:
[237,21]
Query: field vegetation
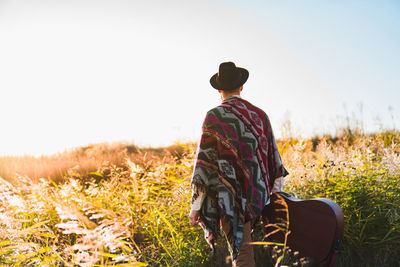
[120,205]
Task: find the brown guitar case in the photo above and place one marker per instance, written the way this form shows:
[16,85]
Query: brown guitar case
[315,226]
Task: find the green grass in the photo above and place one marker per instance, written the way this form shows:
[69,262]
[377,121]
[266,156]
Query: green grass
[134,211]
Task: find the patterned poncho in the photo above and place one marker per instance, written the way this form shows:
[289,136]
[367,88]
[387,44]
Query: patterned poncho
[236,164]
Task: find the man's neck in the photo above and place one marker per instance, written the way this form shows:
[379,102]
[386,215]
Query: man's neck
[226,95]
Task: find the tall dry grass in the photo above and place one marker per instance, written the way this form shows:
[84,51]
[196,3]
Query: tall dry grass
[84,160]
[124,207]
[122,214]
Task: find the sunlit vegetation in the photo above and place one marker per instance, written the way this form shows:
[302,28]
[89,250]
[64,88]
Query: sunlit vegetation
[119,205]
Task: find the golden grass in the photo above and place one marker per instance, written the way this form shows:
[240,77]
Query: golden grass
[84,160]
[119,205]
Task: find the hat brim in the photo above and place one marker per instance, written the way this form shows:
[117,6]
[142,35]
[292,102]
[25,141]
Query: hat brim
[235,85]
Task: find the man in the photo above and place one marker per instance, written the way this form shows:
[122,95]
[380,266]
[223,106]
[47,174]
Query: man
[237,166]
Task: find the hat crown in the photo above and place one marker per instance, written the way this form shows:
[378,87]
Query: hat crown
[229,77]
[228,72]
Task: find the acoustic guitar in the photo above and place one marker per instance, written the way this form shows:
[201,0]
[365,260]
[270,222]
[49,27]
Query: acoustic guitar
[312,227]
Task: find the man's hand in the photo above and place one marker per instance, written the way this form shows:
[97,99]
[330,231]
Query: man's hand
[194,217]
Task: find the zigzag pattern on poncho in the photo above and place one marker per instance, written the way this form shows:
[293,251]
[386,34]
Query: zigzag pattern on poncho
[236,164]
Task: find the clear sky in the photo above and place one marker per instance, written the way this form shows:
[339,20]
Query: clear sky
[74,72]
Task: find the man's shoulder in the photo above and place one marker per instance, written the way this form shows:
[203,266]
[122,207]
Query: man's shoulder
[215,110]
[255,108]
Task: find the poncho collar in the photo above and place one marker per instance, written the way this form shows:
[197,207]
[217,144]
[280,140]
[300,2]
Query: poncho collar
[231,97]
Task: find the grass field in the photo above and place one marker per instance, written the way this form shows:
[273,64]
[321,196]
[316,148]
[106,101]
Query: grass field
[120,205]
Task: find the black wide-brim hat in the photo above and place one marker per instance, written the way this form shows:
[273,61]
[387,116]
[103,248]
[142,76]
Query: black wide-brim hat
[229,77]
